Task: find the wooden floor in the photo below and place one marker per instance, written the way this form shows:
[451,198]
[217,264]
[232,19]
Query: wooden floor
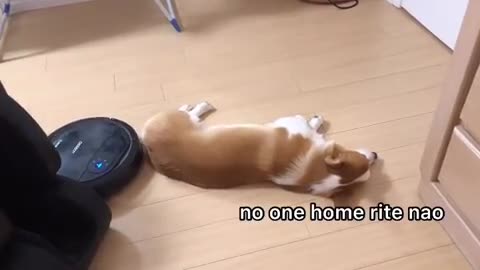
[371,71]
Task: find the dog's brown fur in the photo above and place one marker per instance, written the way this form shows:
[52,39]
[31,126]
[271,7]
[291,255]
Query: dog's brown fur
[230,157]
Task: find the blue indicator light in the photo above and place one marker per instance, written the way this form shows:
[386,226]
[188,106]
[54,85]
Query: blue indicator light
[99,165]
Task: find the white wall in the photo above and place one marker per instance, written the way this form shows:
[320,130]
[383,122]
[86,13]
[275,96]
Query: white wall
[442,17]
[397,3]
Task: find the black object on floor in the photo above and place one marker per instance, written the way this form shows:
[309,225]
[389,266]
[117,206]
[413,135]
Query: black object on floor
[46,221]
[100,152]
[340,4]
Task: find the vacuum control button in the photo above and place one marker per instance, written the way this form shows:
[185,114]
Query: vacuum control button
[98,165]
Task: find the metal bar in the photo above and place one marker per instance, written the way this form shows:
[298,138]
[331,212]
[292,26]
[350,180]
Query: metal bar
[3,19]
[170,12]
[172,7]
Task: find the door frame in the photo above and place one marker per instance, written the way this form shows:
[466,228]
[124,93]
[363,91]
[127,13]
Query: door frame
[456,86]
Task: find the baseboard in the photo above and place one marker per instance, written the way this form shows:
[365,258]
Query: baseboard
[453,223]
[27,5]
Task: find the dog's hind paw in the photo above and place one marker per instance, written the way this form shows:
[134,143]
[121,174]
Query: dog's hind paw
[207,106]
[202,108]
[185,108]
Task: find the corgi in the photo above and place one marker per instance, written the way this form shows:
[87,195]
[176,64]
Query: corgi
[289,152]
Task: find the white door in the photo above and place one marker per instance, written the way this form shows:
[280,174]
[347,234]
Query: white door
[442,17]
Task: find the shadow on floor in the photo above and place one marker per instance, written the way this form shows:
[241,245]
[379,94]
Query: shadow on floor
[42,31]
[372,191]
[198,18]
[116,252]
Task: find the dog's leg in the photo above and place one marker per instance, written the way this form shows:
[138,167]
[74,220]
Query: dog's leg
[201,109]
[296,124]
[327,187]
[316,122]
[197,111]
[185,108]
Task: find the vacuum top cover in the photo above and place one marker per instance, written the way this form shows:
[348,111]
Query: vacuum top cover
[91,148]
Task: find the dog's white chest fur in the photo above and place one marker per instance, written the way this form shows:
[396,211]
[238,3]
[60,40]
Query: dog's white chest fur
[308,129]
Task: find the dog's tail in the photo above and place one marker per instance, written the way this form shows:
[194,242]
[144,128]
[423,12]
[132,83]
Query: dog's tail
[146,154]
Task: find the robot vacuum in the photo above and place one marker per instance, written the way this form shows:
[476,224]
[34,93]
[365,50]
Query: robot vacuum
[103,153]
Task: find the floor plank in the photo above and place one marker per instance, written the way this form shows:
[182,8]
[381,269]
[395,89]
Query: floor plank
[198,246]
[331,251]
[312,75]
[199,210]
[448,257]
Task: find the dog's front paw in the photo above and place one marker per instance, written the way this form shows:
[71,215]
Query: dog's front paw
[316,122]
[324,194]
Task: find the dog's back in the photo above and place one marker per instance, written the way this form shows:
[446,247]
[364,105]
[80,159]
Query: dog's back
[209,157]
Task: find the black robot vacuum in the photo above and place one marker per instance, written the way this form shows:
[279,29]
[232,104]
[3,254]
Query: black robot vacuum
[103,153]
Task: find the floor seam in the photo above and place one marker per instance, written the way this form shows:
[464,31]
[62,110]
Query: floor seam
[280,245]
[381,122]
[405,256]
[375,77]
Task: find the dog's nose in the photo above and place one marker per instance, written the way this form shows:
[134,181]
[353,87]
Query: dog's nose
[375,155]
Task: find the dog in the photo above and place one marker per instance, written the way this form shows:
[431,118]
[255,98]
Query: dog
[290,152]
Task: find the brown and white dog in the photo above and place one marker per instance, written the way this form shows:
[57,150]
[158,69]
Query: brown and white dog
[290,152]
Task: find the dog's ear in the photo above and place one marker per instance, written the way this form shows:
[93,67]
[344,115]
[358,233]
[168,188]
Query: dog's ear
[334,162]
[330,147]
[333,157]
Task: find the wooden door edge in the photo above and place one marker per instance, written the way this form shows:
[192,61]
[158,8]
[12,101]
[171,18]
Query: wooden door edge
[453,223]
[460,76]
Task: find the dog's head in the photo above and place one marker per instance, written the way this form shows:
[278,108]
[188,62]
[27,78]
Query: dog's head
[351,166]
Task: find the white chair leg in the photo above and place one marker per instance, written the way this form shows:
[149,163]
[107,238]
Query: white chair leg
[170,11]
[5,13]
